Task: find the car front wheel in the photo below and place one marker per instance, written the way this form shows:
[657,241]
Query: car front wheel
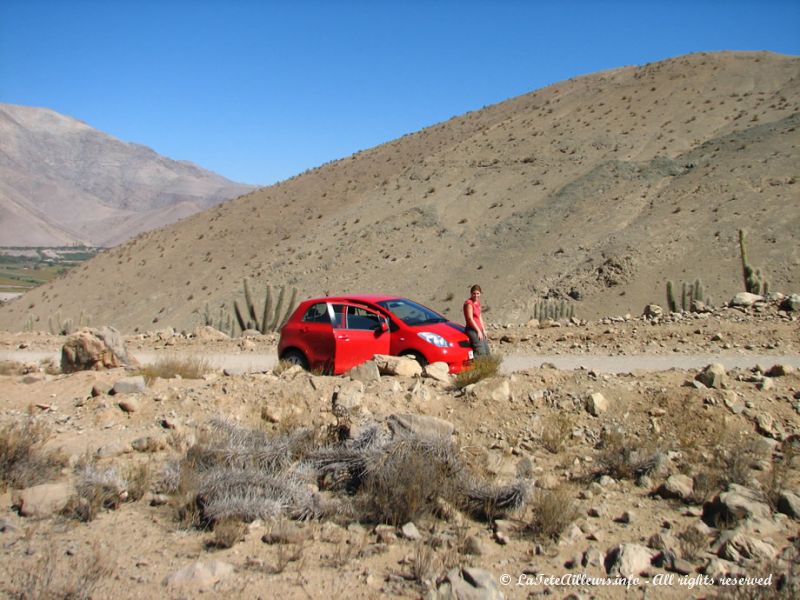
[416,356]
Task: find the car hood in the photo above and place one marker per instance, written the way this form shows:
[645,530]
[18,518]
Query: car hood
[448,330]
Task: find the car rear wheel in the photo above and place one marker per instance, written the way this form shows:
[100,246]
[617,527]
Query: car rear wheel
[295,357]
[416,356]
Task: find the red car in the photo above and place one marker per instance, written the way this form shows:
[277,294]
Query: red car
[335,334]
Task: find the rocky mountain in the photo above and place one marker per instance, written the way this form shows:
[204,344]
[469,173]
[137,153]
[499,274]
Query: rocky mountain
[596,190]
[63,182]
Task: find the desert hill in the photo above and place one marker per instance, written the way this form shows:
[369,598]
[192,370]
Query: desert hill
[599,188]
[63,182]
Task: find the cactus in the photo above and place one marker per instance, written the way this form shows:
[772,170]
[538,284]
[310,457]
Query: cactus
[59,326]
[550,309]
[689,293]
[755,281]
[671,304]
[271,319]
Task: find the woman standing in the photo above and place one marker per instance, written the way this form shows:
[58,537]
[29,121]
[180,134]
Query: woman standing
[475,328]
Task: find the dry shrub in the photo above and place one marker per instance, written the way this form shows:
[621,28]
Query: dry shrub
[556,431]
[731,461]
[405,482]
[422,563]
[138,477]
[51,576]
[482,367]
[233,472]
[626,456]
[227,532]
[192,367]
[692,543]
[553,511]
[782,475]
[96,488]
[281,366]
[11,367]
[23,460]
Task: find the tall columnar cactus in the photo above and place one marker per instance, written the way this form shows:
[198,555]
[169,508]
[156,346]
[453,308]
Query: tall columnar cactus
[689,293]
[59,326]
[551,309]
[671,303]
[271,319]
[755,281]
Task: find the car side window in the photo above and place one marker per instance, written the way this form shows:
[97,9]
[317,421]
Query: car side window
[339,311]
[361,318]
[317,313]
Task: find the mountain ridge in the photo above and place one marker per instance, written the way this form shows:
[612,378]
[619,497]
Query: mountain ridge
[600,188]
[59,174]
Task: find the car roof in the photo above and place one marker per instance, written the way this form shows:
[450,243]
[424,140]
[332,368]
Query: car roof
[371,298]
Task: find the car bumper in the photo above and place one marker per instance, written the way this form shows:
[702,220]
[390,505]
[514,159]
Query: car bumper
[457,358]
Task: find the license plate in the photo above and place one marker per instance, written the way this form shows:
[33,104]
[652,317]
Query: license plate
[471,355]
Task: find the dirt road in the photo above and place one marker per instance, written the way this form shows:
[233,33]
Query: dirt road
[256,362]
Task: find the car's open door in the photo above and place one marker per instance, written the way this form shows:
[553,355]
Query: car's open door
[359,334]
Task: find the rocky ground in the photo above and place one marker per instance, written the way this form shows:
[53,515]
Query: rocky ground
[668,482]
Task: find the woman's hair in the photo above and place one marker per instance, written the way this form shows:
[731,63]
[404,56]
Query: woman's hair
[475,288]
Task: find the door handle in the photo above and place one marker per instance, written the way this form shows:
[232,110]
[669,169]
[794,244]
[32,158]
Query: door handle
[342,337]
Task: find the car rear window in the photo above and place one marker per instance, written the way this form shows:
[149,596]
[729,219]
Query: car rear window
[317,313]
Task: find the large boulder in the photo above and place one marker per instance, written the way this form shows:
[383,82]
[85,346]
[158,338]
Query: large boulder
[420,425]
[42,500]
[791,303]
[713,376]
[735,504]
[206,332]
[467,583]
[399,366]
[94,349]
[629,560]
[746,299]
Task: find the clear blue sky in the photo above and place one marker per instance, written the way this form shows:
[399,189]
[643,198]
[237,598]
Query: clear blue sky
[260,91]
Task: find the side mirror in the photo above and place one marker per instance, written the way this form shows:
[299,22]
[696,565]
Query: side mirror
[384,326]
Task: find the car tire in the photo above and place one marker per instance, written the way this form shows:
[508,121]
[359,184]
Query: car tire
[416,356]
[295,357]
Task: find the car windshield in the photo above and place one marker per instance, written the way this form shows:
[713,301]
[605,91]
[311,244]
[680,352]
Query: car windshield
[410,312]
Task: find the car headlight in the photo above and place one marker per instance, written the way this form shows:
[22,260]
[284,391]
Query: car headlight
[435,339]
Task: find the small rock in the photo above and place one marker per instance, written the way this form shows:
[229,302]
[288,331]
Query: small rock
[789,504]
[438,371]
[765,384]
[410,532]
[596,404]
[474,545]
[677,486]
[199,574]
[780,371]
[365,372]
[129,385]
[628,560]
[592,558]
[130,404]
[286,532]
[713,376]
